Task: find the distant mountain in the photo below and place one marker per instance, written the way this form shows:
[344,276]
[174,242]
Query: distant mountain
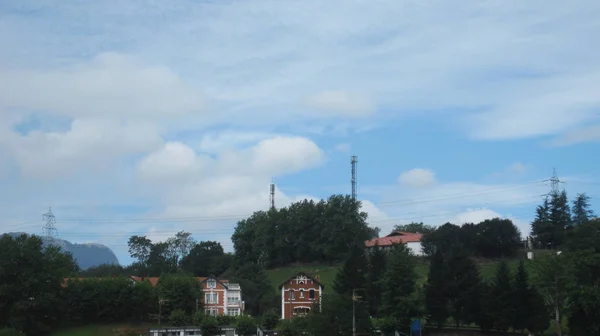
[86,255]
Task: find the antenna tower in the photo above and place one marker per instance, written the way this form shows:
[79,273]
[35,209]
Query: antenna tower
[272,195]
[49,230]
[353,161]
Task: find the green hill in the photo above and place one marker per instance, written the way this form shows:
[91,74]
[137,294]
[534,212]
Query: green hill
[327,272]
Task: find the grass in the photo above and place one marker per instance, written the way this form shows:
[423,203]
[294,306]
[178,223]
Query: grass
[105,330]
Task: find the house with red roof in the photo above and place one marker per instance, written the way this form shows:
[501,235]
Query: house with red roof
[412,241]
[299,294]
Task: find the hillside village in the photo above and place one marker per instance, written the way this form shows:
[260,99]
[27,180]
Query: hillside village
[281,279]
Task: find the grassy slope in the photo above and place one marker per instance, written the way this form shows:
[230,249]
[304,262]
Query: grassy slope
[328,272]
[105,330]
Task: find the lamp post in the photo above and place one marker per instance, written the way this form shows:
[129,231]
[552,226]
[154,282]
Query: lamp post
[160,303]
[354,299]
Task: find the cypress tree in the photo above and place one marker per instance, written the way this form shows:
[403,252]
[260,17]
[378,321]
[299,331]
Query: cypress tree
[522,296]
[502,292]
[377,267]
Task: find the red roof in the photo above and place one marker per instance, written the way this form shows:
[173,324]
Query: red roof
[396,237]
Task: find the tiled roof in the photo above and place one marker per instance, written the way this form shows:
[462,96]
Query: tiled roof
[395,237]
[153,280]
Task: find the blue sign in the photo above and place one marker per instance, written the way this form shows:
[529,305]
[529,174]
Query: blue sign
[415,327]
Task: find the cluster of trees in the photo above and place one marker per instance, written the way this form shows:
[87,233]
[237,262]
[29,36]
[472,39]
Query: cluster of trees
[555,219]
[177,253]
[526,297]
[306,231]
[492,238]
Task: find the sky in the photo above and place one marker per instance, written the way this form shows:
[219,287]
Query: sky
[151,117]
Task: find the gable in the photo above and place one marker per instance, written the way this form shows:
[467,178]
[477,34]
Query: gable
[301,279]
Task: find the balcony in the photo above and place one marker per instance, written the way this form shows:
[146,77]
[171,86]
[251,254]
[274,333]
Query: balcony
[234,301]
[233,286]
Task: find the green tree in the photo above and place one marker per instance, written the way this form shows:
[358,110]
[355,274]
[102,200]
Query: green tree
[139,249]
[178,317]
[464,290]
[437,290]
[398,285]
[542,229]
[179,292]
[414,228]
[245,325]
[352,274]
[10,332]
[270,320]
[206,258]
[497,238]
[522,299]
[502,292]
[210,326]
[377,267]
[560,216]
[581,209]
[539,320]
[551,280]
[335,318]
[257,292]
[30,283]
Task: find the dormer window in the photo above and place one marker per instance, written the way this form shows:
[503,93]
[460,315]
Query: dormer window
[212,283]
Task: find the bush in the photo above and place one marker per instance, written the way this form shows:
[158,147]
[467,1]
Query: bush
[245,325]
[178,318]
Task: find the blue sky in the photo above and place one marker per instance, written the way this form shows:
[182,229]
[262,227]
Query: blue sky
[144,118]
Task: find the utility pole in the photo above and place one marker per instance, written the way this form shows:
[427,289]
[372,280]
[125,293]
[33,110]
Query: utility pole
[354,299]
[554,183]
[353,162]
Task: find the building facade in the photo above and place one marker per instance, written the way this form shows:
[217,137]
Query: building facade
[300,294]
[412,241]
[220,297]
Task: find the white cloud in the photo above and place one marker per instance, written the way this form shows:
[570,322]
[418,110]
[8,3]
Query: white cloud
[342,147]
[417,178]
[517,167]
[578,135]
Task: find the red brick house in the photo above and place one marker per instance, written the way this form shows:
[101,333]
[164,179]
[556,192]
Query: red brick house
[412,241]
[299,294]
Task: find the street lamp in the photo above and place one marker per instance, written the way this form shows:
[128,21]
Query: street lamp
[160,303]
[354,299]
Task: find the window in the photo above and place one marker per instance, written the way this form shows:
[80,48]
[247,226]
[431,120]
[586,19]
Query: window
[291,294]
[233,312]
[302,293]
[212,283]
[211,298]
[212,311]
[311,294]
[233,300]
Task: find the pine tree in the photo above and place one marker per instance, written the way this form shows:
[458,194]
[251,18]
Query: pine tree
[560,216]
[539,320]
[541,227]
[581,209]
[436,290]
[353,273]
[502,292]
[399,284]
[465,290]
[377,267]
[522,297]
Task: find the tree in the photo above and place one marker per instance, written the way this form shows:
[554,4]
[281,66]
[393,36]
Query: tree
[335,317]
[542,229]
[560,216]
[257,292]
[539,320]
[398,285]
[497,238]
[552,282]
[270,320]
[206,258]
[522,299]
[581,209]
[180,245]
[179,292]
[414,228]
[139,249]
[437,291]
[464,290]
[502,292]
[352,274]
[245,325]
[30,283]
[377,267]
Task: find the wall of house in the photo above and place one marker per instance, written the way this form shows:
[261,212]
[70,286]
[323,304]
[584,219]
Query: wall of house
[221,304]
[288,305]
[416,248]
